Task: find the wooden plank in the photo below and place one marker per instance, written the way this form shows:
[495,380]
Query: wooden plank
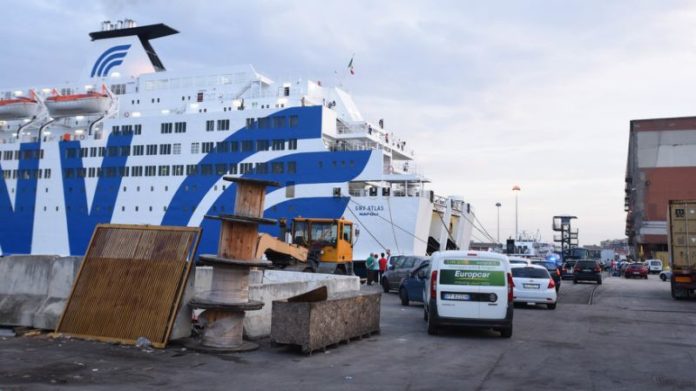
[130,283]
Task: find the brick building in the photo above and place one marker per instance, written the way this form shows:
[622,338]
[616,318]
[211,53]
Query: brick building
[661,167]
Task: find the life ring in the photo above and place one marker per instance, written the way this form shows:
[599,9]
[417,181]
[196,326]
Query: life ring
[126,114]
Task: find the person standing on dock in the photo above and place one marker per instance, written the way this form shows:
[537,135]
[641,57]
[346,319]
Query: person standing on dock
[370,263]
[382,266]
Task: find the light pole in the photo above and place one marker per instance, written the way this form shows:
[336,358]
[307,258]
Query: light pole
[516,189]
[498,205]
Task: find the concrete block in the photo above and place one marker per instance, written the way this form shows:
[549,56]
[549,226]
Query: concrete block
[24,282]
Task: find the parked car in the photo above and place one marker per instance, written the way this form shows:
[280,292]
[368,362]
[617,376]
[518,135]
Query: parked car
[469,289]
[587,270]
[636,270]
[411,287]
[666,275]
[567,270]
[533,285]
[654,265]
[399,268]
[553,269]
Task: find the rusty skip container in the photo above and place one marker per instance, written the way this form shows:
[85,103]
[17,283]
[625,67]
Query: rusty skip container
[682,247]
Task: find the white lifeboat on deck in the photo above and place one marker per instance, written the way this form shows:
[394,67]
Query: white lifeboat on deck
[19,108]
[91,102]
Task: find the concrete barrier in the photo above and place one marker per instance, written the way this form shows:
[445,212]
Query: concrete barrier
[278,285]
[34,289]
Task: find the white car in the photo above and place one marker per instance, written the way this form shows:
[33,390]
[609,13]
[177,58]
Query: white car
[519,260]
[654,265]
[470,289]
[533,285]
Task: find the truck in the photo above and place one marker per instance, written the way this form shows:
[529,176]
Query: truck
[682,247]
[311,245]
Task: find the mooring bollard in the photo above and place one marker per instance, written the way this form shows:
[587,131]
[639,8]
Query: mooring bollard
[228,300]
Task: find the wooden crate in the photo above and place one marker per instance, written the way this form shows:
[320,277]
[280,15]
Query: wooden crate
[316,325]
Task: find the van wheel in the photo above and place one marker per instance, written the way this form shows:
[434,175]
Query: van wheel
[663,277]
[385,285]
[432,328]
[506,332]
[403,295]
[575,281]
[599,281]
[551,306]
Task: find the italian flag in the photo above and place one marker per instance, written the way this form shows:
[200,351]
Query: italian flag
[350,67]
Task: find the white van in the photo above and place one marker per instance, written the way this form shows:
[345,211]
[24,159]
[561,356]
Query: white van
[469,288]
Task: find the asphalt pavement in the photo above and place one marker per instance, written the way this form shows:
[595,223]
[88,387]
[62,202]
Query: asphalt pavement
[622,335]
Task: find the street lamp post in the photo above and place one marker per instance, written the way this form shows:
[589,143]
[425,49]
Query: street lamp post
[498,205]
[516,189]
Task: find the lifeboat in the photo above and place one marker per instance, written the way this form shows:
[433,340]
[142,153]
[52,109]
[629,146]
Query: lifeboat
[91,102]
[19,108]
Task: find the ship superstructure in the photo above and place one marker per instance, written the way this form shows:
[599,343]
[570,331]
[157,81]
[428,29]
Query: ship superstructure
[136,143]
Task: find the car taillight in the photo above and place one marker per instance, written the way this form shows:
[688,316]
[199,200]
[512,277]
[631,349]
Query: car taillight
[511,284]
[577,269]
[551,284]
[597,269]
[433,285]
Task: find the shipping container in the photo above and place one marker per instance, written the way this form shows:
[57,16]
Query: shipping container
[682,247]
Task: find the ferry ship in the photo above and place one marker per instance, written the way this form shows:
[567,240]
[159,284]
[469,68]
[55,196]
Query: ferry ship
[134,143]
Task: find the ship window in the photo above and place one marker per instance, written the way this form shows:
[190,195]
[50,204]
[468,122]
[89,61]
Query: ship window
[246,168]
[277,167]
[138,150]
[69,173]
[278,145]
[279,122]
[250,123]
[114,130]
[166,127]
[199,97]
[294,121]
[123,171]
[261,168]
[223,124]
[163,170]
[195,147]
[152,149]
[222,147]
[234,146]
[207,147]
[290,190]
[102,151]
[41,154]
[177,149]
[116,89]
[292,167]
[264,123]
[158,100]
[180,127]
[99,172]
[262,145]
[137,171]
[209,125]
[136,208]
[123,209]
[233,170]
[92,151]
[125,150]
[165,149]
[82,172]
[321,164]
[113,151]
[191,169]
[16,155]
[110,171]
[247,145]
[150,170]
[91,172]
[178,170]
[70,153]
[84,152]
[221,169]
[206,169]
[292,143]
[127,129]
[138,128]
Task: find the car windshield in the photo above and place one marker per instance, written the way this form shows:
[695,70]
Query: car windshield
[518,261]
[529,272]
[586,264]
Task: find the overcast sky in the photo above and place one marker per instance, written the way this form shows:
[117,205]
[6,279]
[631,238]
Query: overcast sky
[489,93]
